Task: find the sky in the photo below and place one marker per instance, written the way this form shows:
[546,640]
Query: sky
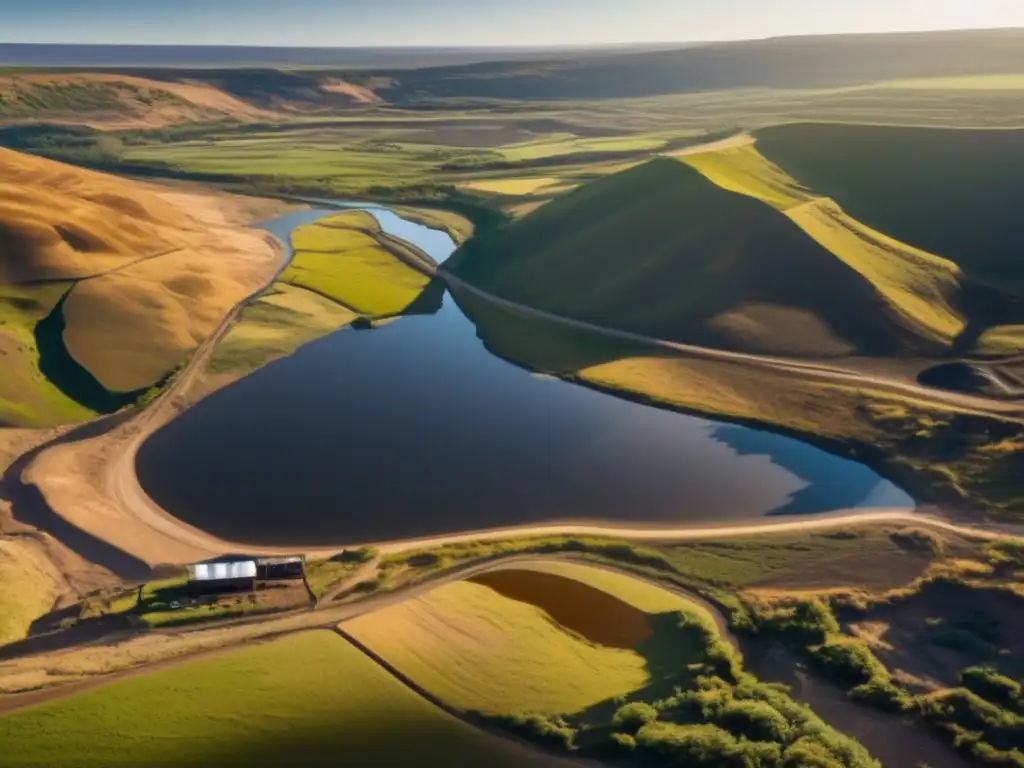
[477,22]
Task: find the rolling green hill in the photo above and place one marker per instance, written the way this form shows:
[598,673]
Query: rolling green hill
[954,193]
[664,251]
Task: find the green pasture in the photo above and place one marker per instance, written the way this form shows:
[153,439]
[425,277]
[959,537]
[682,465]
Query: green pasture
[27,397]
[952,193]
[340,259]
[285,318]
[305,700]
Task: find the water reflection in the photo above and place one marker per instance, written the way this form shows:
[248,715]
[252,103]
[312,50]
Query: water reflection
[415,428]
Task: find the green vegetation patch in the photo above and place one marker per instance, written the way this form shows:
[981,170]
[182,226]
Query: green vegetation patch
[309,699]
[343,259]
[661,250]
[28,587]
[953,193]
[901,651]
[570,635]
[325,575]
[27,397]
[283,319]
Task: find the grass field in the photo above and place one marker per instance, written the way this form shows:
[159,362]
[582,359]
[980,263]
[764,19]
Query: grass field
[448,640]
[952,193]
[509,657]
[27,397]
[340,259]
[325,575]
[607,251]
[310,699]
[513,186]
[275,326]
[28,587]
[107,285]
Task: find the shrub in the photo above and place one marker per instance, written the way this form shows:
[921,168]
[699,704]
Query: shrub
[808,753]
[754,720]
[989,684]
[962,712]
[850,661]
[634,716]
[808,622]
[914,540]
[705,745]
[884,694]
[1008,552]
[623,741]
[549,731]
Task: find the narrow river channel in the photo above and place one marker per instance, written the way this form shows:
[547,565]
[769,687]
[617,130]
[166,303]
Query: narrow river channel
[414,428]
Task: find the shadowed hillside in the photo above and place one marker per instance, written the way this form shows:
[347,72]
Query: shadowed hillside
[796,62]
[663,251]
[107,285]
[955,193]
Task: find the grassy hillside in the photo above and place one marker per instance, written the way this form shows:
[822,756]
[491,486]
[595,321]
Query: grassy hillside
[794,62]
[446,642]
[605,664]
[953,193]
[664,251]
[106,284]
[29,584]
[923,290]
[306,700]
[114,100]
[343,258]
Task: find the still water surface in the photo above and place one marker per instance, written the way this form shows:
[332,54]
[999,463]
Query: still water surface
[415,428]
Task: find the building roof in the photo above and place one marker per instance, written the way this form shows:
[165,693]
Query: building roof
[239,569]
[278,560]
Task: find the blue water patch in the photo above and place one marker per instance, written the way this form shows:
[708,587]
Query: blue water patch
[415,429]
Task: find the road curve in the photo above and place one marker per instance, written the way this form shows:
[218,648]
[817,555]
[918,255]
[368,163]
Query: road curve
[328,616]
[129,501]
[981,406]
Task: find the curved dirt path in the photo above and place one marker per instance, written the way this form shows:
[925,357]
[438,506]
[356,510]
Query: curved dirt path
[978,405]
[324,616]
[118,513]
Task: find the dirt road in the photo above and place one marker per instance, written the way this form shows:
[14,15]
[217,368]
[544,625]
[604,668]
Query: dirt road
[978,405]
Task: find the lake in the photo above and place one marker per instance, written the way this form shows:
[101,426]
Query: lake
[414,428]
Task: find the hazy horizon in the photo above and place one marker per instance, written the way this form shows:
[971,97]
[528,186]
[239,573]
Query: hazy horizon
[469,24]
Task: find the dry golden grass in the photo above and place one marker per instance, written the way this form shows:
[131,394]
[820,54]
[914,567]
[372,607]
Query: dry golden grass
[156,270]
[525,186]
[29,585]
[1001,340]
[59,222]
[118,101]
[742,169]
[477,650]
[919,286]
[132,326]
